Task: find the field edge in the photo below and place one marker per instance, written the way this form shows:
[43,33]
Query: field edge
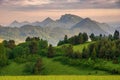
[59,77]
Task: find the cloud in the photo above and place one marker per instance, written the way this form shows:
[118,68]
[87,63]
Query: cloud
[118,3]
[58,4]
[24,2]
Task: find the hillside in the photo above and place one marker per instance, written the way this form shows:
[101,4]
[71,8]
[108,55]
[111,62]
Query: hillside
[56,66]
[50,69]
[81,46]
[19,65]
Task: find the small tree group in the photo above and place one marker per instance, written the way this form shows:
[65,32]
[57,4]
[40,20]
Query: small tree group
[9,44]
[77,39]
[33,47]
[115,36]
[32,39]
[68,52]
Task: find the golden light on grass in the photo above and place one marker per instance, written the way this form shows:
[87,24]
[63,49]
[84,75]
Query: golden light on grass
[60,78]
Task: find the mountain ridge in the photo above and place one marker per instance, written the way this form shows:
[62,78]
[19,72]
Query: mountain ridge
[54,30]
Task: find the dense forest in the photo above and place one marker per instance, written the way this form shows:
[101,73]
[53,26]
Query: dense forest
[99,52]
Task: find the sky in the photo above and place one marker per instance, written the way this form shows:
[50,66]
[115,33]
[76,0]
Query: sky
[37,10]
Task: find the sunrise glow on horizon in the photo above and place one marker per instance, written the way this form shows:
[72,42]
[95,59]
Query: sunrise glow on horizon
[38,10]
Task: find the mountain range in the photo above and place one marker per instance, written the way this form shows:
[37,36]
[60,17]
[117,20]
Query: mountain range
[54,30]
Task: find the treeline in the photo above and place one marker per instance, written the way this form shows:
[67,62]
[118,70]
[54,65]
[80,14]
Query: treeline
[115,36]
[77,39]
[83,37]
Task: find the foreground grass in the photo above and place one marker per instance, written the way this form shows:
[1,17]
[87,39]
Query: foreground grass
[51,67]
[13,69]
[60,78]
[57,68]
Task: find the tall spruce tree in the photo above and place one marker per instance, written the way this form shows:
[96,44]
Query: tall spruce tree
[116,35]
[51,51]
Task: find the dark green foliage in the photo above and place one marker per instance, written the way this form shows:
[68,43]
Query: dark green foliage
[38,67]
[85,37]
[5,42]
[19,51]
[28,39]
[32,39]
[60,43]
[74,40]
[3,56]
[105,49]
[9,44]
[110,37]
[92,36]
[77,55]
[116,35]
[66,39]
[68,51]
[33,47]
[43,44]
[85,53]
[51,51]
[29,67]
[94,54]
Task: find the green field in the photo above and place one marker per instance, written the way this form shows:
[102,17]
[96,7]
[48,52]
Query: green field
[51,67]
[60,78]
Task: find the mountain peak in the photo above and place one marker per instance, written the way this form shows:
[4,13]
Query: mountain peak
[86,23]
[69,18]
[87,19]
[15,21]
[48,20]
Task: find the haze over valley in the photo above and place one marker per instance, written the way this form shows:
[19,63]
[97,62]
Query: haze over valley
[54,30]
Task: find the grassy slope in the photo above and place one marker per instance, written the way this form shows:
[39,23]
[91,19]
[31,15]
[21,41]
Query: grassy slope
[78,47]
[51,67]
[81,46]
[13,69]
[56,68]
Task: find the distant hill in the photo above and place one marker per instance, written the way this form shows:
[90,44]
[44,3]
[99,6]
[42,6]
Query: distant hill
[89,26]
[118,28]
[54,30]
[18,24]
